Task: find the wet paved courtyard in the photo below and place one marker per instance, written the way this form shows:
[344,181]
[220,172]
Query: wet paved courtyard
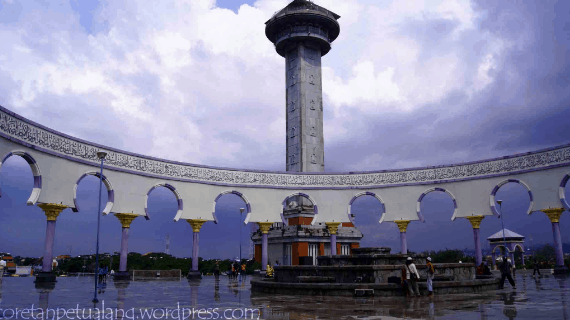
[547,297]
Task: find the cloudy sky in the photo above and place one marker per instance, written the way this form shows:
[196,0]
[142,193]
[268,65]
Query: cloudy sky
[407,83]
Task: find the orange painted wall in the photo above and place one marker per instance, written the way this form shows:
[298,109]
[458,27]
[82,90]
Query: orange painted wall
[304,221]
[337,248]
[321,249]
[300,249]
[354,245]
[347,224]
[257,254]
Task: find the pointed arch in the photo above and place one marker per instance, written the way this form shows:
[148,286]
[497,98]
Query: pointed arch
[304,195]
[239,194]
[519,246]
[418,207]
[176,194]
[562,192]
[499,185]
[366,193]
[37,189]
[108,185]
[500,246]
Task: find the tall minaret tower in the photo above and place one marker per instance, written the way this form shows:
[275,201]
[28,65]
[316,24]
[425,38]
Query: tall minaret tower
[302,33]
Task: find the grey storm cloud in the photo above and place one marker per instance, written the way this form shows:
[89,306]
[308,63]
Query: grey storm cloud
[526,108]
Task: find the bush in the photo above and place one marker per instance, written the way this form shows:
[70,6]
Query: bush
[449,256]
[152,261]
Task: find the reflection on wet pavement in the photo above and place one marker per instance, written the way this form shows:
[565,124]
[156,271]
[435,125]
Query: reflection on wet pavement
[535,298]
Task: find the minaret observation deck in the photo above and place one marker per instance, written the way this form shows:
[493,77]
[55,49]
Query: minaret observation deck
[302,33]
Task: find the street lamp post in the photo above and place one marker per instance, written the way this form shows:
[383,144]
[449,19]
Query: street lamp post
[241,210]
[503,225]
[101,155]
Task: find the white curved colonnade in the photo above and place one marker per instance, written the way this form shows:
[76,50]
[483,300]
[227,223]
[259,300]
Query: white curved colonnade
[59,162]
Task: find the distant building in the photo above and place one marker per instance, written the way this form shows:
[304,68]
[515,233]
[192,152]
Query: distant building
[10,264]
[9,261]
[513,241]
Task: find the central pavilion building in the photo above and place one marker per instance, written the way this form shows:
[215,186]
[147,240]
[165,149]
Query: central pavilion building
[302,33]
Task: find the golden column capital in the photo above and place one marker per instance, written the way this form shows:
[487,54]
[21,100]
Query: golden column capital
[402,225]
[264,226]
[553,214]
[332,226]
[126,218]
[52,210]
[196,224]
[475,221]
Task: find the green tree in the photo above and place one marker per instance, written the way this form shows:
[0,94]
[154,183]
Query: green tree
[449,256]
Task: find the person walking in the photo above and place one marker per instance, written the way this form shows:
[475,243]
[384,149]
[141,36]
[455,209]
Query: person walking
[513,268]
[217,270]
[486,270]
[412,276]
[405,283]
[506,273]
[536,267]
[243,271]
[430,276]
[480,269]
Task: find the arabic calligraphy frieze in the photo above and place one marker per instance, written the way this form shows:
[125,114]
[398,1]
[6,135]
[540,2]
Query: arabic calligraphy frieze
[33,135]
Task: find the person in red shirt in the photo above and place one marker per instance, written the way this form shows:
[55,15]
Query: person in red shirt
[430,276]
[481,269]
[405,283]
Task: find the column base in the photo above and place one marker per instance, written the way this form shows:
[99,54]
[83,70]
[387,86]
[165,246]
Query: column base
[122,276]
[560,270]
[194,275]
[45,278]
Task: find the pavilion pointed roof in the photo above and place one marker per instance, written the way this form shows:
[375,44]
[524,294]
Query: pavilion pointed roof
[508,235]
